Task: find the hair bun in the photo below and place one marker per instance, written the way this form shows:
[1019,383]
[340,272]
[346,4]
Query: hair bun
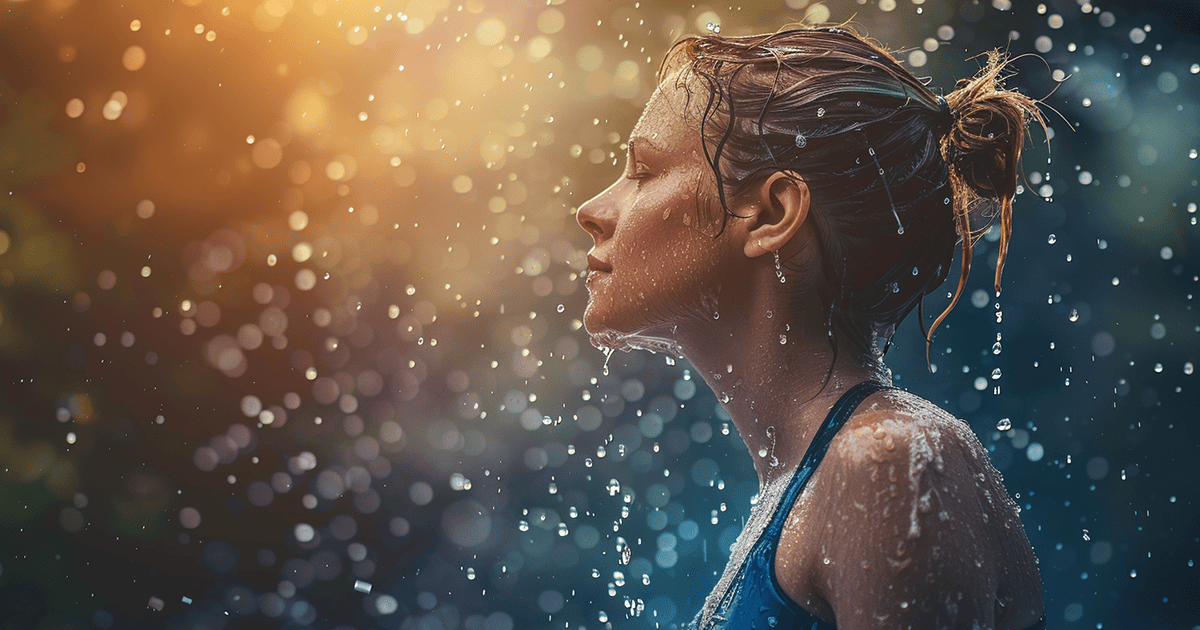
[990,123]
[983,150]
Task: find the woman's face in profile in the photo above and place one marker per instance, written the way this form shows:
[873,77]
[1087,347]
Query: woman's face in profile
[656,259]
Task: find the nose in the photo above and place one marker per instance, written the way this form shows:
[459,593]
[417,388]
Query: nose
[598,215]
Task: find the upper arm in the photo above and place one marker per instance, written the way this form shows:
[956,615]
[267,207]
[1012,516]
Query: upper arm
[916,546]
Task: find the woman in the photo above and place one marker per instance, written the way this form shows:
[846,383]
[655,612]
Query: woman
[788,199]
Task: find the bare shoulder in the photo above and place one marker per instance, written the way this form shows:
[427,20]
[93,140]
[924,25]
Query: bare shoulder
[925,530]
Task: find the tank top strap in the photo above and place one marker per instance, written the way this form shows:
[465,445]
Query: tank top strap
[834,421]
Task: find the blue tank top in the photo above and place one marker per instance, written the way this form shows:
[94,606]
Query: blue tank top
[755,600]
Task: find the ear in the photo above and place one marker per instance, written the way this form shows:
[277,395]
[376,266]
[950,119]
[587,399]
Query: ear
[778,206]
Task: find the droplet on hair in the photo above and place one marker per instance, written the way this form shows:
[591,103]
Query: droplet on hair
[870,150]
[915,270]
[895,287]
[946,201]
[820,112]
[782,340]
[801,141]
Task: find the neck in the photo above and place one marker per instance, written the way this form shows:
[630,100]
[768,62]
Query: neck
[773,369]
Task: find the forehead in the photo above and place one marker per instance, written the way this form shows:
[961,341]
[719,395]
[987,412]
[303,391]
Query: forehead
[668,120]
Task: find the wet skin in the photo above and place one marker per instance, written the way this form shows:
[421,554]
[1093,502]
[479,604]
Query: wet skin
[906,523]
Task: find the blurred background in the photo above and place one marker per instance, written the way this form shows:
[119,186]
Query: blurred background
[290,300]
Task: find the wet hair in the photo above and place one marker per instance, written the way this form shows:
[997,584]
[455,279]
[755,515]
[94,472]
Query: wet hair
[898,176]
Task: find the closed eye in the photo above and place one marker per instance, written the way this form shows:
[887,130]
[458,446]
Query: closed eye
[639,171]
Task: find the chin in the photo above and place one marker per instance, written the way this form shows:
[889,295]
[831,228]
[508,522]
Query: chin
[607,332]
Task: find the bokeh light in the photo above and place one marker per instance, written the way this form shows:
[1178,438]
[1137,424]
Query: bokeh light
[290,299]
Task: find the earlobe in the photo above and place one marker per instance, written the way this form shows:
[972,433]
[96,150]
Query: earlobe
[780,208]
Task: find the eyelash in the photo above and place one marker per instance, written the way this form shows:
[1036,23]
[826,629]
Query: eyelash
[638,173]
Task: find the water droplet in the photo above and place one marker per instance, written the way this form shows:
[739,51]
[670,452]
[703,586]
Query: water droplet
[820,112]
[1158,367]
[1074,316]
[782,340]
[1052,239]
[801,141]
[870,151]
[996,348]
[1004,424]
[762,452]
[613,487]
[996,374]
[1188,368]
[523,526]
[915,270]
[561,308]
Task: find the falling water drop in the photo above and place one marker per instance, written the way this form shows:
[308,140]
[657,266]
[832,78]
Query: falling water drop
[1004,424]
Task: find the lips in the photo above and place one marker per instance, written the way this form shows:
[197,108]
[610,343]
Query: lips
[597,265]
